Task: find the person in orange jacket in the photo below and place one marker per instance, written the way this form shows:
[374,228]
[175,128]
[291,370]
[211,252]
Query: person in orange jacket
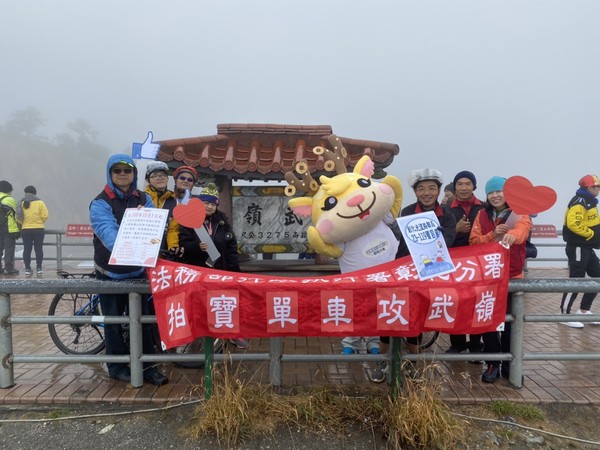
[497,222]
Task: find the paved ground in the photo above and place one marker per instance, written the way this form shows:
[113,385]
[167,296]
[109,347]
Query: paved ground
[544,382]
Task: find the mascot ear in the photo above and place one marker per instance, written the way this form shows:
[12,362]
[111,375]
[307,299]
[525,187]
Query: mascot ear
[365,166]
[314,239]
[302,206]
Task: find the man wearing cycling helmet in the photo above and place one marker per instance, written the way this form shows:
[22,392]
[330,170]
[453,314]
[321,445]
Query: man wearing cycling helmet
[157,177]
[427,184]
[185,178]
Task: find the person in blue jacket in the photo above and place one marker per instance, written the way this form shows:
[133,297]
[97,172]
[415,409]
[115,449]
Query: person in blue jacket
[106,213]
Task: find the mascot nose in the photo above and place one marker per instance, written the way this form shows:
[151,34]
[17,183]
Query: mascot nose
[355,200]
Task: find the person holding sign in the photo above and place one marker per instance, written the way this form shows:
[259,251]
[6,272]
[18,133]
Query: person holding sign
[497,222]
[427,184]
[106,213]
[219,230]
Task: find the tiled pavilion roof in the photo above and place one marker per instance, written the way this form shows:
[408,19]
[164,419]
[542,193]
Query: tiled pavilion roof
[266,151]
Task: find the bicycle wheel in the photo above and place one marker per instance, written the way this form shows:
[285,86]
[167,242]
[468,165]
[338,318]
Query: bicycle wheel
[74,339]
[195,347]
[426,339]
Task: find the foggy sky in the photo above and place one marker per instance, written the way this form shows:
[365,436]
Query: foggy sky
[496,87]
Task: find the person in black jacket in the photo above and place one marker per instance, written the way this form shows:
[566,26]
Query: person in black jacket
[221,232]
[581,232]
[106,213]
[464,207]
[427,184]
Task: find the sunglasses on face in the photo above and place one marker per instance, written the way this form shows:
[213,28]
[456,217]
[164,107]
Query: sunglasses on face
[188,179]
[158,176]
[118,170]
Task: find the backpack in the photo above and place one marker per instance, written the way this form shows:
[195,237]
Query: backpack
[5,213]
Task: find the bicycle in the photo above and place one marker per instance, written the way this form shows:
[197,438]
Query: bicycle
[76,339]
[88,338]
[426,339]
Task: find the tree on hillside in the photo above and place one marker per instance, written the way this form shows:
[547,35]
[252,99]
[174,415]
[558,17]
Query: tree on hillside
[84,132]
[25,122]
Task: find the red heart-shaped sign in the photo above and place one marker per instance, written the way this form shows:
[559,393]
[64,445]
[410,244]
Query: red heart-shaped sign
[191,215]
[526,199]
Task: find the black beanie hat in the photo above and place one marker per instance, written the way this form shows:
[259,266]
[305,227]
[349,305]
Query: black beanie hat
[465,174]
[5,187]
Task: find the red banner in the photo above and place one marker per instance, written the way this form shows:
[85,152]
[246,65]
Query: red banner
[386,300]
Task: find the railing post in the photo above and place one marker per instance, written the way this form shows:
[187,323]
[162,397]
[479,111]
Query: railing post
[209,352]
[135,340]
[516,340]
[396,359]
[276,349]
[59,265]
[7,375]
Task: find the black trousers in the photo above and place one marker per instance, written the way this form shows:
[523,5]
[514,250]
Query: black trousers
[7,249]
[116,305]
[582,261]
[459,341]
[33,238]
[499,341]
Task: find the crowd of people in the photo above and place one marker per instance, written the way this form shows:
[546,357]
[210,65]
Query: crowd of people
[464,220]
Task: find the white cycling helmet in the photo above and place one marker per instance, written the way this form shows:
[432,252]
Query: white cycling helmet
[425,175]
[156,166]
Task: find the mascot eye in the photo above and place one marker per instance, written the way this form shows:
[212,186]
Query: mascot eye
[330,203]
[364,182]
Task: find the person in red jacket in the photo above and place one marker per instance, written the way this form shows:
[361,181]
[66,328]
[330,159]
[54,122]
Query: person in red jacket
[497,222]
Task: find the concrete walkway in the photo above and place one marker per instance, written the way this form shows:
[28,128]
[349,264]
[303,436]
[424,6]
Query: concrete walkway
[544,382]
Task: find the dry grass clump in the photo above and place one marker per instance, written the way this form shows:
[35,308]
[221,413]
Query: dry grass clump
[239,410]
[417,418]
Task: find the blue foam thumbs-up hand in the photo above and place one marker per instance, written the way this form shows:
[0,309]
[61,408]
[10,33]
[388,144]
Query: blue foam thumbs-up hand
[147,149]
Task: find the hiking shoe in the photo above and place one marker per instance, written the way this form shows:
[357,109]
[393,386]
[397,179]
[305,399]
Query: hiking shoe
[11,272]
[347,351]
[491,373]
[572,324]
[39,271]
[153,376]
[242,344]
[122,373]
[379,373]
[585,313]
[28,271]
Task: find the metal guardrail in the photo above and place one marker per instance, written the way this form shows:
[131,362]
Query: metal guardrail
[275,357]
[59,243]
